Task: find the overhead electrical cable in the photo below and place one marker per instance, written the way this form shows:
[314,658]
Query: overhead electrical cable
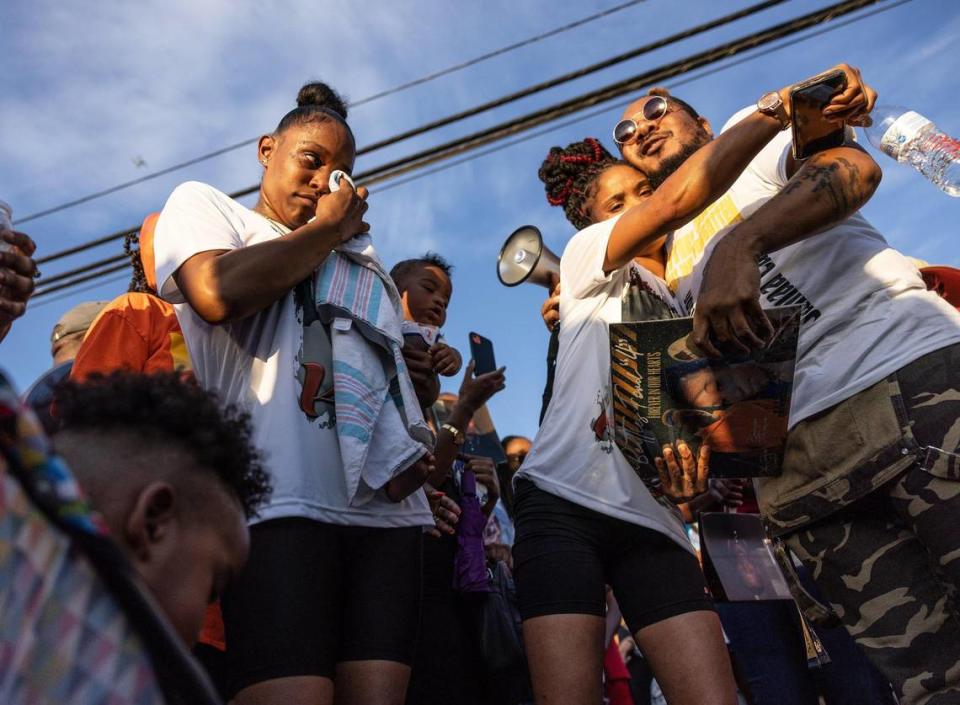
[369,99]
[504,100]
[448,150]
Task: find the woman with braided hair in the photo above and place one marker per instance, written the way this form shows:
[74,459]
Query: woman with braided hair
[583,517]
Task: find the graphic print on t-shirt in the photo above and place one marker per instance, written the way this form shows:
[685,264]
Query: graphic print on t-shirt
[315,374]
[601,425]
[641,302]
[686,251]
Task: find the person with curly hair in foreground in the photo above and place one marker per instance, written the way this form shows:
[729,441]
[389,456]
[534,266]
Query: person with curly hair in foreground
[174,476]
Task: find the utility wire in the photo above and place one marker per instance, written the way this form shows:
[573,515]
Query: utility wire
[559,80]
[68,294]
[606,109]
[79,280]
[369,99]
[609,92]
[443,152]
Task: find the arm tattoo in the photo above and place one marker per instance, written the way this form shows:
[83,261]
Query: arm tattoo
[838,179]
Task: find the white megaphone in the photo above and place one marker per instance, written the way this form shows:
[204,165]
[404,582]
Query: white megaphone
[524,257]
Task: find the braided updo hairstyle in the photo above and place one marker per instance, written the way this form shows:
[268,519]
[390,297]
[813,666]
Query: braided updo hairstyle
[569,175]
[316,102]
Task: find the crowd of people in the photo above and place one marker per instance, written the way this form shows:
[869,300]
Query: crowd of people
[255,439]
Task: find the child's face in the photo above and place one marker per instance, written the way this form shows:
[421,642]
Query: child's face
[427,296]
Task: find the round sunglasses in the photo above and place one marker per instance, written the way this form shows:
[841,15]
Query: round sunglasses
[653,109]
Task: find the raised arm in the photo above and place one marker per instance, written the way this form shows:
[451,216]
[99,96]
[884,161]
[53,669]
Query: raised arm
[697,183]
[228,285]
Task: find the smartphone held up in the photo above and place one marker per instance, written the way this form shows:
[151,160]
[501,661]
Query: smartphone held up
[812,132]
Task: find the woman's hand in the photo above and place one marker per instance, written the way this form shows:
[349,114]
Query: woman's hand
[411,479]
[476,391]
[550,311]
[682,476]
[446,514]
[342,211]
[486,474]
[17,270]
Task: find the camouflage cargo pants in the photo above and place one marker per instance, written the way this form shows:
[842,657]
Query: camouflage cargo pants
[890,562]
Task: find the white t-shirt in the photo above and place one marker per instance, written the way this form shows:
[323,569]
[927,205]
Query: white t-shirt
[574,455]
[866,311]
[262,363]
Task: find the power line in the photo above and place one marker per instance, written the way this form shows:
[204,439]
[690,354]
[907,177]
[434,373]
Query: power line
[450,119]
[610,92]
[46,281]
[369,99]
[613,91]
[583,118]
[45,291]
[66,295]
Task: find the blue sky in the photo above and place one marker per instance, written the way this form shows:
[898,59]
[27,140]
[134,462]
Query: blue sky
[89,88]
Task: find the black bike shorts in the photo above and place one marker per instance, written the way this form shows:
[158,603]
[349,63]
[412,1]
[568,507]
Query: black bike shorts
[313,595]
[565,555]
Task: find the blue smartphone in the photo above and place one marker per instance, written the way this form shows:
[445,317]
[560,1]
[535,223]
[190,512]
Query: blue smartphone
[481,350]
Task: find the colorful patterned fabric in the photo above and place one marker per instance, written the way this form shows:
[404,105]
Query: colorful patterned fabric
[63,639]
[380,427]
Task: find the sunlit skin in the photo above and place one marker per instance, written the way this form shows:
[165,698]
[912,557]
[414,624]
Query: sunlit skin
[617,189]
[516,451]
[708,387]
[426,296]
[298,163]
[184,534]
[664,138]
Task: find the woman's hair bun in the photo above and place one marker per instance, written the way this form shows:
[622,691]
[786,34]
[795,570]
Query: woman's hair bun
[321,95]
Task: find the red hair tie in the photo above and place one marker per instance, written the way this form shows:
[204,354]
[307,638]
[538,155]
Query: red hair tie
[564,194]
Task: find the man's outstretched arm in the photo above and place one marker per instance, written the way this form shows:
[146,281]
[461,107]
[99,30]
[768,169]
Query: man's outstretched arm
[825,190]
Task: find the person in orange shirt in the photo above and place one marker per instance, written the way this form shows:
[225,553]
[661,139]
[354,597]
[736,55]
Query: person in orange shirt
[137,331]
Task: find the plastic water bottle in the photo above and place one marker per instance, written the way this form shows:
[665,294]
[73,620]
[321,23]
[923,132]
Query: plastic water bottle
[912,139]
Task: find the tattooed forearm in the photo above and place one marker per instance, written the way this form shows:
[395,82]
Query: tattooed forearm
[839,180]
[830,187]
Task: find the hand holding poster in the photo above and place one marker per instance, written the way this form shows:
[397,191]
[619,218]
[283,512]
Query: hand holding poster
[664,390]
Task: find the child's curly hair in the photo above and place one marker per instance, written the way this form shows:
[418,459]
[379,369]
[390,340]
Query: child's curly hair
[569,175]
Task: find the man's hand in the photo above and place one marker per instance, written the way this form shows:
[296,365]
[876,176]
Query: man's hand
[682,476]
[486,474]
[425,381]
[411,479]
[446,360]
[17,270]
[446,514]
[727,492]
[550,311]
[854,104]
[476,391]
[728,314]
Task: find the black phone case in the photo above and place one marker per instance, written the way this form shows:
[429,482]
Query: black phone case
[804,149]
[481,350]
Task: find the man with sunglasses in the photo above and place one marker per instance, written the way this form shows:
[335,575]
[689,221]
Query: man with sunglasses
[870,488]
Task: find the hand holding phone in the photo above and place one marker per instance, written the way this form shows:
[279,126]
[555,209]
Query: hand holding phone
[481,349]
[812,131]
